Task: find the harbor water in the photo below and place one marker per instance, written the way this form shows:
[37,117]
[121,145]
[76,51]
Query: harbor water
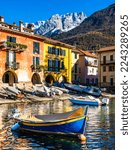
[100,128]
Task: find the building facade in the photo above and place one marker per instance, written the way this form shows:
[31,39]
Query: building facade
[29,58]
[107,67]
[57,61]
[75,66]
[88,68]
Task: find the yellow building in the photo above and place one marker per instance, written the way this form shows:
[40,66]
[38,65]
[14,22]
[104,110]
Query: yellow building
[106,71]
[57,61]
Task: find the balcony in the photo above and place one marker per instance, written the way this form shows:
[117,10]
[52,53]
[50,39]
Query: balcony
[13,65]
[107,62]
[92,64]
[12,46]
[37,68]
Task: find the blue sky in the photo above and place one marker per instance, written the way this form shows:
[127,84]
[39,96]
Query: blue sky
[34,10]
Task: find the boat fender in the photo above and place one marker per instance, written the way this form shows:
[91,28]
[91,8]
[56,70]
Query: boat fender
[82,137]
[15,127]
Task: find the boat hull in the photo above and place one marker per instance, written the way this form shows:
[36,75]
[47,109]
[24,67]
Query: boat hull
[84,102]
[71,127]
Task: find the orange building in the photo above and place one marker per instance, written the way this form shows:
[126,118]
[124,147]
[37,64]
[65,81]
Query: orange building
[21,54]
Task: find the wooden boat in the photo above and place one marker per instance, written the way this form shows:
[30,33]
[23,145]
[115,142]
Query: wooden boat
[64,90]
[74,87]
[12,92]
[91,101]
[68,123]
[91,90]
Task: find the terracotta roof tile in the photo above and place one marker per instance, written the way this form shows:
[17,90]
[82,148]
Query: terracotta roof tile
[106,49]
[86,53]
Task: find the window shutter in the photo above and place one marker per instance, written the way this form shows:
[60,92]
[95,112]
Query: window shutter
[7,57]
[14,57]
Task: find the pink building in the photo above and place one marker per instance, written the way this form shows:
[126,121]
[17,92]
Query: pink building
[88,68]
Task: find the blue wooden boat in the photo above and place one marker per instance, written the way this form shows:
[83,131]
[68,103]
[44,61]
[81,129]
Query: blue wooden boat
[90,90]
[91,101]
[69,123]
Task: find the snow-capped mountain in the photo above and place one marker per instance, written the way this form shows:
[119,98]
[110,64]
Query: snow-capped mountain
[58,24]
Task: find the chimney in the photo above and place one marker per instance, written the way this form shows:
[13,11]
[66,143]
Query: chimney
[1,19]
[30,26]
[20,26]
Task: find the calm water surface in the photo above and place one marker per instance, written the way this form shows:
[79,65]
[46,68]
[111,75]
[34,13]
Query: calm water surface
[99,130]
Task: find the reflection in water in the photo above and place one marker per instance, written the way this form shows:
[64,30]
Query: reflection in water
[99,130]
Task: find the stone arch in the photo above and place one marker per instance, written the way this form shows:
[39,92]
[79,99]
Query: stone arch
[49,79]
[36,79]
[62,79]
[10,77]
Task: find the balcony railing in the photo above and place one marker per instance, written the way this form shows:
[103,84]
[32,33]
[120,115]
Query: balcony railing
[91,64]
[107,62]
[37,68]
[13,65]
[12,46]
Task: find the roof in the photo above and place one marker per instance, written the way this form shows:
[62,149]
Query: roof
[8,28]
[110,48]
[75,50]
[86,53]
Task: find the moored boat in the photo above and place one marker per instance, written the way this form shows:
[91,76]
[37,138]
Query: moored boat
[91,101]
[90,90]
[68,123]
[74,87]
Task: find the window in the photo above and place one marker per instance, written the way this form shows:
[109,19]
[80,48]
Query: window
[75,77]
[10,58]
[53,50]
[111,68]
[87,81]
[96,81]
[111,57]
[57,51]
[104,79]
[49,65]
[75,55]
[62,65]
[95,62]
[92,81]
[111,82]
[49,50]
[104,59]
[54,65]
[36,61]
[76,66]
[11,39]
[104,68]
[36,48]
[92,70]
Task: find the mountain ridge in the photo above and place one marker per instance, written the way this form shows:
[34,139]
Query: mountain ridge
[97,30]
[58,24]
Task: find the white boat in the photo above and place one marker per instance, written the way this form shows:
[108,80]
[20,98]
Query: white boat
[56,91]
[64,90]
[13,92]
